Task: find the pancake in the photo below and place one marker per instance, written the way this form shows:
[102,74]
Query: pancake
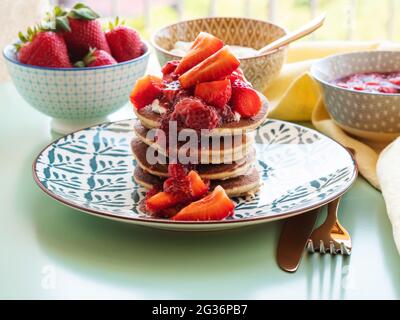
[207,171]
[237,149]
[151,120]
[236,187]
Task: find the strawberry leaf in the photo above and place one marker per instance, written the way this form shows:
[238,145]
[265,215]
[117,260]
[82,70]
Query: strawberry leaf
[87,60]
[31,33]
[17,46]
[62,23]
[79,64]
[56,21]
[22,37]
[58,11]
[82,12]
[117,22]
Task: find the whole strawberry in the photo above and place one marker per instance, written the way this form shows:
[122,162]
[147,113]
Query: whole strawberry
[83,31]
[96,58]
[124,42]
[43,48]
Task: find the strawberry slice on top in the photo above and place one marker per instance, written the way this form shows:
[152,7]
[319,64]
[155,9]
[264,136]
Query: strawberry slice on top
[204,46]
[168,71]
[216,67]
[237,74]
[215,93]
[169,67]
[146,90]
[245,100]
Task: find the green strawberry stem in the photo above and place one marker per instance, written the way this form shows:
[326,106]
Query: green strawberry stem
[56,21]
[87,60]
[31,33]
[79,64]
[82,12]
[117,22]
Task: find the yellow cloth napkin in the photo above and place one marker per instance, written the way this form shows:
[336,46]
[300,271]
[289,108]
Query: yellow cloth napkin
[295,96]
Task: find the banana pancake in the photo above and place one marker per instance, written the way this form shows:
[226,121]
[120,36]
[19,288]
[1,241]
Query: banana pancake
[236,187]
[207,171]
[150,120]
[234,149]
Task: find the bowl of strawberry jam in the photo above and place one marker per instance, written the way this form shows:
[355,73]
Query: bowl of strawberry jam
[361,92]
[373,82]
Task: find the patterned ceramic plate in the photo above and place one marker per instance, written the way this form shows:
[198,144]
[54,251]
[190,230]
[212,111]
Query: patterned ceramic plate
[91,170]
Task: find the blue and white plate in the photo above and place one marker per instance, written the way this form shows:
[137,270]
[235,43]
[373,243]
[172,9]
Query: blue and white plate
[92,170]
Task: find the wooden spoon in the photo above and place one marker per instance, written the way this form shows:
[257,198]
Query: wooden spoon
[293,36]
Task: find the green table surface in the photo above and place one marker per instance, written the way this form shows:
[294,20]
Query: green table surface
[50,251]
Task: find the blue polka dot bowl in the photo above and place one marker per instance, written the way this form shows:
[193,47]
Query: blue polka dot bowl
[372,116]
[76,97]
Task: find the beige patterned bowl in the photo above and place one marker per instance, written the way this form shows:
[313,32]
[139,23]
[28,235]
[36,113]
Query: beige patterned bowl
[374,116]
[252,33]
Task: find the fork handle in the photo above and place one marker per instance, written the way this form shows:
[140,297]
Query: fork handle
[333,208]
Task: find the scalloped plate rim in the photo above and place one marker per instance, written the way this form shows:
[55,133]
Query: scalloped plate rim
[180,225]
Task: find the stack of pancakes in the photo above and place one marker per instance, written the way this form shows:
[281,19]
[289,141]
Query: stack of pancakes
[231,163]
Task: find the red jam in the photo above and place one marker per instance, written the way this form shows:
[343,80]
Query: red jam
[373,82]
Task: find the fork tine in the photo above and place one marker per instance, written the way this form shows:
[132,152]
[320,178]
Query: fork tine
[310,246]
[332,249]
[326,238]
[321,246]
[342,248]
[345,250]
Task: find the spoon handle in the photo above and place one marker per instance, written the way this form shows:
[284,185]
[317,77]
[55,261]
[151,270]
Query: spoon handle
[295,35]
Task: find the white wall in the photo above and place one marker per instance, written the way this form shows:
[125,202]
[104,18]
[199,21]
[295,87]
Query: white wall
[15,16]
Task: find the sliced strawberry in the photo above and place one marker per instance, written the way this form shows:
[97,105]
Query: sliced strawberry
[204,46]
[387,90]
[169,212]
[217,66]
[245,100]
[179,189]
[161,201]
[169,67]
[215,93]
[198,187]
[215,206]
[168,71]
[342,85]
[146,90]
[395,81]
[237,74]
[360,87]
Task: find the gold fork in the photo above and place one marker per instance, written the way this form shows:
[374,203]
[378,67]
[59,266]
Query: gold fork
[331,237]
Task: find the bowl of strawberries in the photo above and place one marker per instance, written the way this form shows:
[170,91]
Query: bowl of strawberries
[68,68]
